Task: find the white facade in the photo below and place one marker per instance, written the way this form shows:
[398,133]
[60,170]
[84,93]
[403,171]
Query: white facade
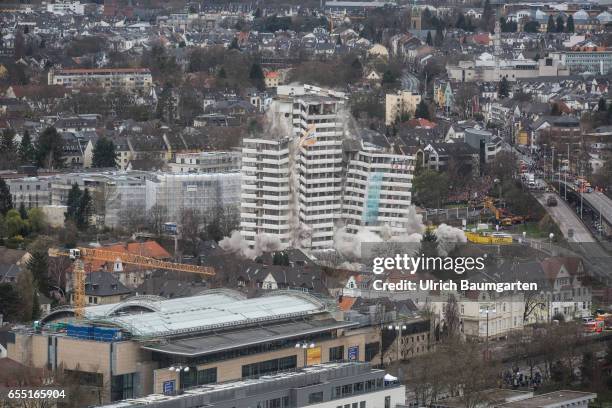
[397,104]
[205,162]
[492,315]
[301,183]
[265,195]
[377,191]
[387,398]
[64,7]
[126,79]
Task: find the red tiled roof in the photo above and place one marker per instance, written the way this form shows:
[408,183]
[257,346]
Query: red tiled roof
[54,91]
[346,303]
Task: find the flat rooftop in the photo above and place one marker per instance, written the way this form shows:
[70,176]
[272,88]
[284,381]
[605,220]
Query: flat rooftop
[294,379]
[218,342]
[492,396]
[551,399]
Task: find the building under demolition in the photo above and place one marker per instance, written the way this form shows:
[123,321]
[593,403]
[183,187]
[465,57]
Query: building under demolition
[311,172]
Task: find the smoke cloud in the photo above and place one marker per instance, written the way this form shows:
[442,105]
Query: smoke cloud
[448,237]
[236,244]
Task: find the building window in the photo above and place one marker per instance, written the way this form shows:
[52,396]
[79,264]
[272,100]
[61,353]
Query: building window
[371,349]
[122,386]
[269,366]
[362,404]
[336,353]
[315,397]
[207,376]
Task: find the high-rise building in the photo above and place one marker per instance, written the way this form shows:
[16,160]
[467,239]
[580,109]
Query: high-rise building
[310,173]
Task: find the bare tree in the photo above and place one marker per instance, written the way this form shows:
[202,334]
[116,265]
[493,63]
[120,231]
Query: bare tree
[452,319]
[533,302]
[157,216]
[190,227]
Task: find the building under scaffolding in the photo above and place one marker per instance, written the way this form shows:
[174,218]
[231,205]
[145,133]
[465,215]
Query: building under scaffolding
[201,192]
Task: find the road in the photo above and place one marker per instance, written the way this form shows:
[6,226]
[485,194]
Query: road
[598,201]
[409,81]
[601,203]
[566,218]
[582,244]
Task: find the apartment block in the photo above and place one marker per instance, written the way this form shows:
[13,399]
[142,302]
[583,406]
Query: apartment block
[397,104]
[125,79]
[377,190]
[310,173]
[265,190]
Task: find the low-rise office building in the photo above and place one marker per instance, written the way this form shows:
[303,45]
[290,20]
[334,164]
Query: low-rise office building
[332,385]
[213,337]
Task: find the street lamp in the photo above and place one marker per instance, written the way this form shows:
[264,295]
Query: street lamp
[398,327]
[487,310]
[305,346]
[550,237]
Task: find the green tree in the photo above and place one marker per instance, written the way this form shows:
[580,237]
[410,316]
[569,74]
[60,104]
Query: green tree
[570,24]
[430,188]
[488,16]
[602,105]
[389,77]
[560,26]
[26,150]
[23,213]
[439,38]
[257,77]
[38,265]
[49,149]
[15,225]
[7,144]
[37,219]
[531,27]
[85,209]
[9,302]
[422,110]
[234,44]
[550,26]
[25,288]
[503,89]
[7,149]
[72,203]
[104,153]
[6,200]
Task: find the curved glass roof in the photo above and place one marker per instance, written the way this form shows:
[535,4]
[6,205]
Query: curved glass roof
[210,310]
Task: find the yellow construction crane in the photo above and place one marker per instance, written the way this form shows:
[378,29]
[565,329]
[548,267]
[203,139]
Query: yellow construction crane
[80,255]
